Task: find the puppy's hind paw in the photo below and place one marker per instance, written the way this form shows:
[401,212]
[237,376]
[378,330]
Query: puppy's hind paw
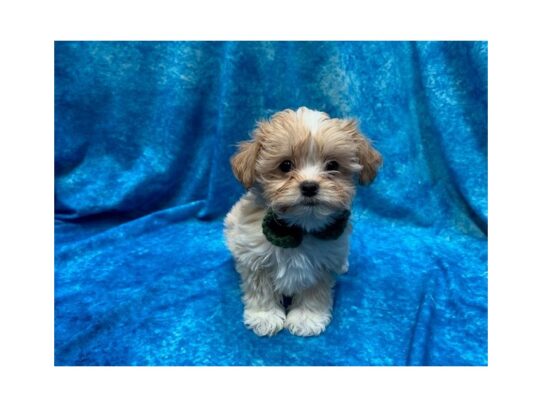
[303,322]
[265,322]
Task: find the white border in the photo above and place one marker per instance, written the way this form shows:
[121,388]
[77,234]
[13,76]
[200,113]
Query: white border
[28,32]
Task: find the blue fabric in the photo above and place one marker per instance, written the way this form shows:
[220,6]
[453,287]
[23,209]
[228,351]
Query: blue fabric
[144,132]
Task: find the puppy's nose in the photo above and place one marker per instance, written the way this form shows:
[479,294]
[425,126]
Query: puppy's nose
[309,188]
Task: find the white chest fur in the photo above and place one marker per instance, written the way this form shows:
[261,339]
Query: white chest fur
[301,267]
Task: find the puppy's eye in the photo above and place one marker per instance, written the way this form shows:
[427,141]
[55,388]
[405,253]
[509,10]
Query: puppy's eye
[286,166]
[332,166]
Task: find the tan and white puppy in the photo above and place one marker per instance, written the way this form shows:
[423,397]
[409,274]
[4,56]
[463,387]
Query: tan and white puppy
[290,232]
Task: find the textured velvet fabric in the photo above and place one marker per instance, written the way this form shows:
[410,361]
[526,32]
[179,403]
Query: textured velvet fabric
[143,136]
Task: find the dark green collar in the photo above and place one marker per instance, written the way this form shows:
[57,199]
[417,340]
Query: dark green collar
[280,234]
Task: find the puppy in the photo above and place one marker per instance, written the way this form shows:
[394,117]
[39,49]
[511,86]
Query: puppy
[289,233]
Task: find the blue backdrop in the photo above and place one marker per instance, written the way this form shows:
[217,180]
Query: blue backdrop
[143,136]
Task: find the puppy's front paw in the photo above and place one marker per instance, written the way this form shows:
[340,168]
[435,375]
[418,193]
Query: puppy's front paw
[265,322]
[303,322]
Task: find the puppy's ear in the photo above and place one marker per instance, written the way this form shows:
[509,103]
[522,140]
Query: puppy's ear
[369,158]
[243,162]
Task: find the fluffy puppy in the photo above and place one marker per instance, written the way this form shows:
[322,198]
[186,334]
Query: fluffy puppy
[289,234]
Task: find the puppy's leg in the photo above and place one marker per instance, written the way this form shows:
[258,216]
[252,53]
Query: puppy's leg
[310,312]
[264,313]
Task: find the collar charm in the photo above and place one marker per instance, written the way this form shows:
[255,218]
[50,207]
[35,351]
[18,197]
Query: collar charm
[280,234]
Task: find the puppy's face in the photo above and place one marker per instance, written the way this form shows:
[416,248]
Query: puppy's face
[305,164]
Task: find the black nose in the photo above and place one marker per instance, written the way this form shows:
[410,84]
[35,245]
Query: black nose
[309,188]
